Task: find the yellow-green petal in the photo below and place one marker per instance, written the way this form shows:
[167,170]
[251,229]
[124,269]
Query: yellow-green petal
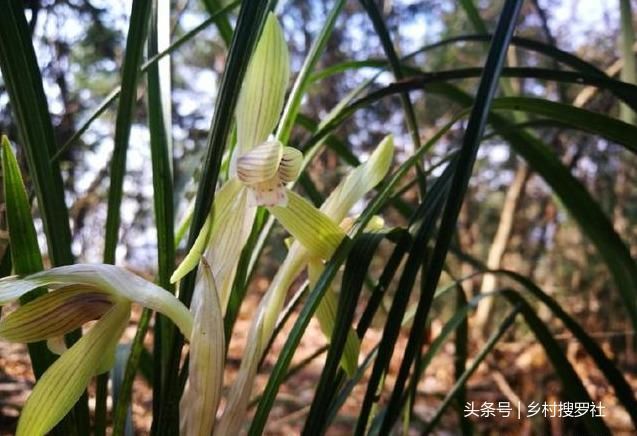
[291,164]
[64,382]
[260,163]
[230,232]
[115,280]
[263,90]
[361,180]
[55,314]
[201,396]
[224,199]
[326,315]
[312,228]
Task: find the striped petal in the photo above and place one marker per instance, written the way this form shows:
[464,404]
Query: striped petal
[224,200]
[64,382]
[260,163]
[230,232]
[55,314]
[201,397]
[263,90]
[360,181]
[117,281]
[291,164]
[326,315]
[312,228]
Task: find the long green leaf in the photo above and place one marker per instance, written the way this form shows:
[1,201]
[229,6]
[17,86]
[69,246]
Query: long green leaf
[629,72]
[573,387]
[466,158]
[460,382]
[25,252]
[128,97]
[356,268]
[160,142]
[130,75]
[577,118]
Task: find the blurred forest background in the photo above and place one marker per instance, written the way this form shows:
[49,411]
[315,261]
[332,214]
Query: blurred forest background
[509,219]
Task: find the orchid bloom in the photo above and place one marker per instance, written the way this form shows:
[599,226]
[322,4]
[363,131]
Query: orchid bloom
[260,167]
[335,209]
[79,293]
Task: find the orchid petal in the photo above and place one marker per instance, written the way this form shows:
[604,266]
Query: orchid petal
[312,228]
[224,198]
[55,314]
[207,353]
[230,232]
[260,163]
[326,315]
[361,180]
[263,91]
[64,382]
[117,281]
[291,164]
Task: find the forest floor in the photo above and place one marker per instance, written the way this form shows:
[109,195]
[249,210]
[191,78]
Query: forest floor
[516,374]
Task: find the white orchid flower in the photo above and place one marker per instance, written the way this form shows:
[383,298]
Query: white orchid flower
[260,170]
[335,209]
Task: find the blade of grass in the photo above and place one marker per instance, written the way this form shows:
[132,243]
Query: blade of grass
[24,252]
[251,18]
[629,71]
[356,268]
[577,118]
[388,46]
[460,361]
[460,382]
[135,39]
[140,14]
[459,183]
[573,387]
[160,127]
[422,226]
[222,22]
[160,143]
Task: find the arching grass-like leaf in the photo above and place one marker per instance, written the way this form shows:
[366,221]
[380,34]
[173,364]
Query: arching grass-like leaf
[459,183]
